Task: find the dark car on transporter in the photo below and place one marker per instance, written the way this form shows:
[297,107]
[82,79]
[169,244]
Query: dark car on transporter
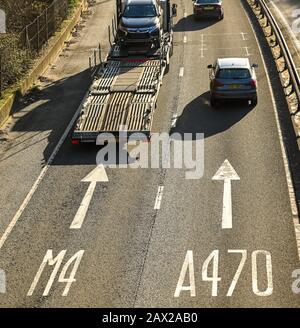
[140,22]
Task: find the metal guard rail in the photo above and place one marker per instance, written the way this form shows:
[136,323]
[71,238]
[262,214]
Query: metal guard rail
[294,80]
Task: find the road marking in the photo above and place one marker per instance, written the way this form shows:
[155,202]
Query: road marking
[57,261]
[211,267]
[212,261]
[247,51]
[40,177]
[243,36]
[97,175]
[158,198]
[185,15]
[188,264]
[269,290]
[185,39]
[226,173]
[174,120]
[2,282]
[202,45]
[295,214]
[181,72]
[239,269]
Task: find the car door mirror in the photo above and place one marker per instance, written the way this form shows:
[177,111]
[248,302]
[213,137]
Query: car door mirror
[174,10]
[254,65]
[210,67]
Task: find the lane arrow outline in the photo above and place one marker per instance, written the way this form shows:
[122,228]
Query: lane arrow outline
[227,174]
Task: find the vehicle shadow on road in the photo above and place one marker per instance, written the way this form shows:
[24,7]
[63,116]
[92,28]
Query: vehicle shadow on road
[199,117]
[50,109]
[190,23]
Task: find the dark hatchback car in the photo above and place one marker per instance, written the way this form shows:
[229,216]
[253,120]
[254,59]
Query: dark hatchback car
[208,9]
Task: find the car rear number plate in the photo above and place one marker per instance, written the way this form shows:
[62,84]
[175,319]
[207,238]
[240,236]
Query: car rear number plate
[235,86]
[209,8]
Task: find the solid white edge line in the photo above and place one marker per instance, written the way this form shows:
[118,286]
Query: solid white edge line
[283,150]
[40,177]
[158,197]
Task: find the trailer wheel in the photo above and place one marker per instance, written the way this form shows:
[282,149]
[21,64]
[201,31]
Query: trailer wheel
[171,49]
[167,68]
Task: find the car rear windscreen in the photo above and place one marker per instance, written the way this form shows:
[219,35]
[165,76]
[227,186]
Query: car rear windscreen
[139,11]
[207,2]
[233,73]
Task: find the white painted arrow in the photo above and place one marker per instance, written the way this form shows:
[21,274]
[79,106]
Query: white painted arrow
[226,173]
[97,175]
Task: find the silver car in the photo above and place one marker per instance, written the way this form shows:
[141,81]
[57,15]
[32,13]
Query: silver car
[232,78]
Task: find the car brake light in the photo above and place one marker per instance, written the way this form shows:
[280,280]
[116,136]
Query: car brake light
[253,84]
[75,142]
[218,84]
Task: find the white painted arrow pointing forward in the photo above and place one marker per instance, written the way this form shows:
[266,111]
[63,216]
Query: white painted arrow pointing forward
[97,175]
[226,173]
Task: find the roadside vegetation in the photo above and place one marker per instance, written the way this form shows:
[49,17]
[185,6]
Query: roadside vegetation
[16,52]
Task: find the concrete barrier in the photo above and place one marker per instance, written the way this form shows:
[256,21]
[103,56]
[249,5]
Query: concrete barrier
[56,44]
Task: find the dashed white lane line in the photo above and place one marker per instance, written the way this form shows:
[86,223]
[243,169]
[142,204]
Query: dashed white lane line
[181,72]
[202,45]
[174,120]
[185,15]
[40,178]
[295,214]
[158,198]
[185,39]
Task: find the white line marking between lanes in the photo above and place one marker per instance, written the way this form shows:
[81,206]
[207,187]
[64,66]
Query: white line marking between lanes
[184,39]
[181,72]
[158,198]
[40,177]
[174,120]
[295,214]
[202,46]
[185,15]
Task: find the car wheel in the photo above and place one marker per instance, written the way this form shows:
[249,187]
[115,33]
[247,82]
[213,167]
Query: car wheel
[213,102]
[254,102]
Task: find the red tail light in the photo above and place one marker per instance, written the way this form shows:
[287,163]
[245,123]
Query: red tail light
[75,142]
[253,84]
[218,84]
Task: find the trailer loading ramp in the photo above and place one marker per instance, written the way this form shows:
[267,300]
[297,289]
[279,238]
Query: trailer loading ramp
[124,94]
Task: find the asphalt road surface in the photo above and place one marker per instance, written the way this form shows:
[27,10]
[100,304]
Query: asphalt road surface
[151,237]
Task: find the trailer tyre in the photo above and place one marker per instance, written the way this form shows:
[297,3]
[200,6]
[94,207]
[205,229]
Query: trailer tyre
[171,49]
